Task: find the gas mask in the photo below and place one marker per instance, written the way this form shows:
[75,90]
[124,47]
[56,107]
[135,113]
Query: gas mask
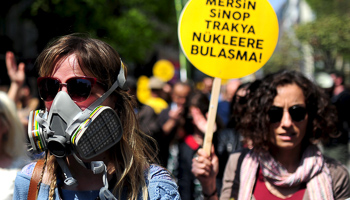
[51,130]
[67,130]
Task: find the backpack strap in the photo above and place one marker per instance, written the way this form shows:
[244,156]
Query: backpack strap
[34,181]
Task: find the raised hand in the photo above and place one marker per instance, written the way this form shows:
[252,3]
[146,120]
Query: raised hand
[199,120]
[16,73]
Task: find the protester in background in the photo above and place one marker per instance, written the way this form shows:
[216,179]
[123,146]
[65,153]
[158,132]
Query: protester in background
[227,93]
[156,100]
[20,92]
[12,146]
[207,86]
[337,148]
[149,112]
[83,71]
[195,129]
[16,75]
[285,116]
[171,121]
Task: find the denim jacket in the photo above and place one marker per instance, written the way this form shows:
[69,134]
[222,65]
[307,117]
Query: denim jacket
[160,185]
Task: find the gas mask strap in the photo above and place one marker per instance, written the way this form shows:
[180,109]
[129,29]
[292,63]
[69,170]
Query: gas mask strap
[82,116]
[105,194]
[98,167]
[69,180]
[119,82]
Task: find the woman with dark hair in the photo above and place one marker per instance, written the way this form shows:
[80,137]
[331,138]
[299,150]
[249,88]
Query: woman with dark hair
[285,117]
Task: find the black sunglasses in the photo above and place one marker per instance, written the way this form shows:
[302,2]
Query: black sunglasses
[79,88]
[297,113]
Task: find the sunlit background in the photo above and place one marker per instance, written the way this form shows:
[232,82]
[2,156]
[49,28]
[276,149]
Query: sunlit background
[314,34]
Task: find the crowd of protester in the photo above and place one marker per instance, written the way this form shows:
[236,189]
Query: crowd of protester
[247,114]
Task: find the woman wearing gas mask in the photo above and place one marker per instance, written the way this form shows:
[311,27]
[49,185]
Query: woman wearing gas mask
[89,132]
[285,116]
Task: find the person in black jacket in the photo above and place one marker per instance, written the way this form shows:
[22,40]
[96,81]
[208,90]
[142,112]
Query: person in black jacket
[337,148]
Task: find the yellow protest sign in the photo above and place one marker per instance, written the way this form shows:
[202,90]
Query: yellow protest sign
[143,93]
[164,70]
[228,38]
[158,104]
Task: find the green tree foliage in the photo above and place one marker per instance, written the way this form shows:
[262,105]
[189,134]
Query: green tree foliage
[133,27]
[324,8]
[329,34]
[287,55]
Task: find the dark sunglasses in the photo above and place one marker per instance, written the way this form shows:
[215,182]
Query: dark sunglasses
[297,113]
[79,88]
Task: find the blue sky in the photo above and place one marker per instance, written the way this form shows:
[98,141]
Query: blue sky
[276,3]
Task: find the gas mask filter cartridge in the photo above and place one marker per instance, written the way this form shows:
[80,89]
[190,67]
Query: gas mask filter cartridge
[98,133]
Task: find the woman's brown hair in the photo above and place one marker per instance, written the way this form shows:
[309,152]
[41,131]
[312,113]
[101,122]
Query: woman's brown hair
[134,152]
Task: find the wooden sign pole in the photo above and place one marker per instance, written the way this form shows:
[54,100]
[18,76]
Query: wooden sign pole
[213,106]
